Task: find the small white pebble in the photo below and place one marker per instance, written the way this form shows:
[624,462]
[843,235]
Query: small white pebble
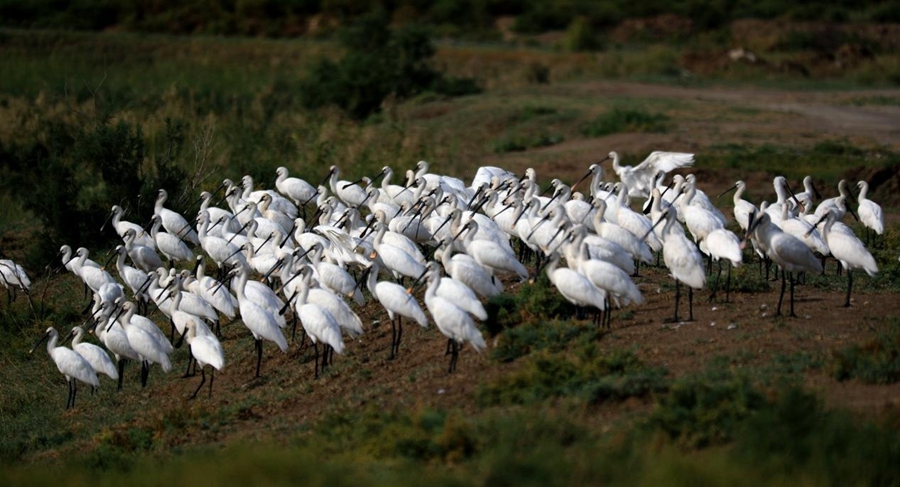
[731,326]
[712,324]
[714,308]
[764,306]
[765,314]
[441,391]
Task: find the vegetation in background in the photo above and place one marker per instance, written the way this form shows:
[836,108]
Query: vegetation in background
[582,372]
[625,120]
[378,64]
[474,19]
[876,361]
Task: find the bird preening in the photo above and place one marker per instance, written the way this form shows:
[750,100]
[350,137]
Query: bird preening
[430,250]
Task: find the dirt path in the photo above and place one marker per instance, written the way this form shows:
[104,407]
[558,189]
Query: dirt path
[829,111]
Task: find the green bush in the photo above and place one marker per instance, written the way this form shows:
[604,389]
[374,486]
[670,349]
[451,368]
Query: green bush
[876,361]
[584,372]
[707,409]
[378,64]
[76,173]
[620,120]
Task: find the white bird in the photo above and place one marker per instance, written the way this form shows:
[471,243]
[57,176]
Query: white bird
[320,326]
[637,248]
[452,321]
[742,208]
[394,259]
[217,214]
[148,348]
[142,255]
[869,211]
[721,244]
[831,204]
[575,287]
[849,251]
[261,323]
[130,315]
[206,350]
[683,260]
[13,276]
[466,270]
[121,226]
[136,279]
[174,223]
[349,192]
[93,277]
[639,179]
[211,291]
[111,334]
[219,250]
[606,276]
[70,364]
[298,190]
[398,303]
[171,246]
[491,255]
[636,223]
[788,252]
[96,356]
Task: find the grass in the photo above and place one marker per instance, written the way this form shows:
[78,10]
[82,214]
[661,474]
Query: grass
[625,120]
[583,372]
[876,361]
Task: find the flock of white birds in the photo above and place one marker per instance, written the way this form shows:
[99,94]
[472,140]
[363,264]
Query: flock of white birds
[381,232]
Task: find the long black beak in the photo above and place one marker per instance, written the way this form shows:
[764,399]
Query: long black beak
[660,220]
[38,344]
[726,191]
[111,257]
[813,229]
[418,282]
[536,227]
[70,336]
[794,197]
[278,264]
[582,179]
[351,184]
[244,227]
[855,217]
[108,218]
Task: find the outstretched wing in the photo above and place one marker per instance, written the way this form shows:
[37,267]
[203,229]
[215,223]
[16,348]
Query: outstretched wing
[664,161]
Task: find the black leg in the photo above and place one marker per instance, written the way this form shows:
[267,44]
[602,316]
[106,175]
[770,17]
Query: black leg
[781,296]
[849,286]
[677,299]
[258,357]
[316,346]
[69,394]
[187,373]
[145,373]
[212,377]
[293,327]
[399,335]
[728,287]
[449,344]
[712,295]
[74,391]
[791,277]
[690,303]
[393,338]
[121,373]
[202,380]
